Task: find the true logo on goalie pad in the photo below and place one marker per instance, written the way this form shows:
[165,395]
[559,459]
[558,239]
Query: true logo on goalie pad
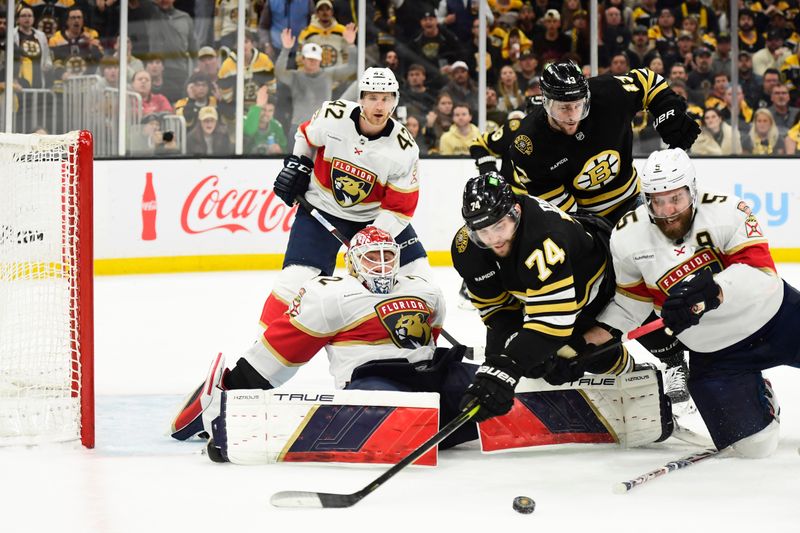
[406,320]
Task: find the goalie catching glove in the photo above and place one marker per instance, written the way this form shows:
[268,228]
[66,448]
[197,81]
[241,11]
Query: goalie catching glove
[690,300]
[294,178]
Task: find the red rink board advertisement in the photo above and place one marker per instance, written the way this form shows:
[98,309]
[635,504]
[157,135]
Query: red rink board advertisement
[217,214]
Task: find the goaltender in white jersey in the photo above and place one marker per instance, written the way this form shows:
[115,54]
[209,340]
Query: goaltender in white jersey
[353,325]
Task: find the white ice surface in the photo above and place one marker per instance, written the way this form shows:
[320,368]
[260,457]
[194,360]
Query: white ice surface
[155,336]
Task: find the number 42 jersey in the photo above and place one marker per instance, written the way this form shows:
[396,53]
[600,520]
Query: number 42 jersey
[358,177]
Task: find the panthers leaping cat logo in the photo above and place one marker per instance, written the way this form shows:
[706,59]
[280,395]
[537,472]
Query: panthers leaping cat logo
[351,184]
[349,191]
[412,329]
[407,320]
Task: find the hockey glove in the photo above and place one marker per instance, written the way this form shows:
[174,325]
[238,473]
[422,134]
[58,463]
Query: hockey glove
[563,370]
[486,164]
[493,387]
[677,128]
[294,178]
[667,348]
[689,300]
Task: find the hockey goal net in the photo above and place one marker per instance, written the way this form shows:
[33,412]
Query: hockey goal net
[46,377]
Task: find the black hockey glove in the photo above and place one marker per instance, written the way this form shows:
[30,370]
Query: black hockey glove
[563,370]
[293,179]
[486,164]
[667,348]
[677,128]
[493,387]
[689,300]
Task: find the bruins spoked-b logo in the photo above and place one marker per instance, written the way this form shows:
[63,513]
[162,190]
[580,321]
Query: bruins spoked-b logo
[598,170]
[406,320]
[351,183]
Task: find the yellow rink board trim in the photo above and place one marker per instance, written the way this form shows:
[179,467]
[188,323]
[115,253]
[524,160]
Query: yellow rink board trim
[211,263]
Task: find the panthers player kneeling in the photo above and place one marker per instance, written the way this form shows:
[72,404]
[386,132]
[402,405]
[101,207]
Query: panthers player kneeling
[377,327]
[701,260]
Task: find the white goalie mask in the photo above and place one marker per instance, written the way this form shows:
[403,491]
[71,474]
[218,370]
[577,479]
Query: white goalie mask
[374,259]
[665,171]
[379,80]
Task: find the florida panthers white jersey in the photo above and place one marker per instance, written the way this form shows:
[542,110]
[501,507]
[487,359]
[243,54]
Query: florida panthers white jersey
[354,325]
[725,237]
[357,177]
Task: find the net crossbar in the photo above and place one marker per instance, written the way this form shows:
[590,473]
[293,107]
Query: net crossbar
[46,391]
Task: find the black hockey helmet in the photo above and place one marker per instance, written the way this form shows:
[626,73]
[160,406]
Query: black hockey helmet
[487,199]
[564,81]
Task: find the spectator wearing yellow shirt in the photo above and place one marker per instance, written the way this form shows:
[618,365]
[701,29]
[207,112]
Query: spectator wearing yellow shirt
[326,31]
[457,139]
[258,71]
[792,140]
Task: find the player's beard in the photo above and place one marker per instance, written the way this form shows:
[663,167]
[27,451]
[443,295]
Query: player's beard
[676,227]
[504,250]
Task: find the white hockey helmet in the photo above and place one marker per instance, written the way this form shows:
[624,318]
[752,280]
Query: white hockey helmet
[376,271]
[379,80]
[668,170]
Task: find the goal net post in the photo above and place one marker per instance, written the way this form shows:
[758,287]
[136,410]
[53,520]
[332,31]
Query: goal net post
[46,289]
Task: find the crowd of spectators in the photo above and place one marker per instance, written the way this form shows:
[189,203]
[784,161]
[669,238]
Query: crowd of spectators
[181,60]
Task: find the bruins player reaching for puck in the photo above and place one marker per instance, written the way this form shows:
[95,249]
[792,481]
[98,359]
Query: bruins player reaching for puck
[576,151]
[539,277]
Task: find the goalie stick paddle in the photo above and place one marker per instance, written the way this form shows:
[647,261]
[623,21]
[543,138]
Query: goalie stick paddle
[344,240]
[295,498]
[625,486]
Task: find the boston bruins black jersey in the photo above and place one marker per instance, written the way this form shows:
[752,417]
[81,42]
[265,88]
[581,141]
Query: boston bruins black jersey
[555,269]
[592,169]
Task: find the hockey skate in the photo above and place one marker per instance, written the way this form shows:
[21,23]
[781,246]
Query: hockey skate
[202,406]
[676,388]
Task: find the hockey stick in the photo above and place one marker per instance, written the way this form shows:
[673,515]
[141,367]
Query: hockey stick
[641,331]
[294,498]
[684,462]
[314,212]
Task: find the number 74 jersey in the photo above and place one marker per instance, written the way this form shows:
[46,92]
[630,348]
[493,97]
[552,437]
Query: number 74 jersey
[726,238]
[357,177]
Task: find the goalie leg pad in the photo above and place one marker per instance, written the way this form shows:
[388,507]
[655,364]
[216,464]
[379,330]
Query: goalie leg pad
[262,427]
[631,409]
[445,374]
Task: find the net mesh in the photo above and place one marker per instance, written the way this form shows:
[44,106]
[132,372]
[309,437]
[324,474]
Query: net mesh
[40,369]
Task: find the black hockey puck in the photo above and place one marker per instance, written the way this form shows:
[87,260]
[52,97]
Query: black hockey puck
[524,505]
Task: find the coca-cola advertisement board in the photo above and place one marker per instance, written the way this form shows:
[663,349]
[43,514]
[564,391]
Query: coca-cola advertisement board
[202,214]
[225,212]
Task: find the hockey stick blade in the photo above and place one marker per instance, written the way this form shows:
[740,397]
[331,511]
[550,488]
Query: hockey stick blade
[625,486]
[306,499]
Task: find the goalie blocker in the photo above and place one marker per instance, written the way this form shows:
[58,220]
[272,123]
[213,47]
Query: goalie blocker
[353,426]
